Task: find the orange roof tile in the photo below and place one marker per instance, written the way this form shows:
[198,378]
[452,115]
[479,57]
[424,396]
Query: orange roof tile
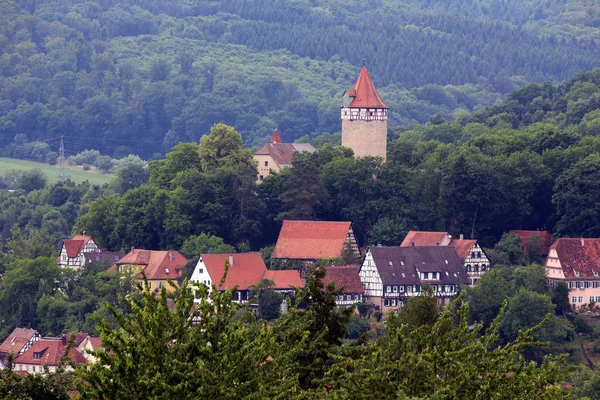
[463,246]
[16,340]
[282,153]
[311,239]
[364,92]
[284,279]
[422,238]
[158,264]
[247,269]
[48,351]
[346,277]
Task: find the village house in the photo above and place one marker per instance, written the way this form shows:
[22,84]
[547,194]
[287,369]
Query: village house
[156,265]
[245,272]
[346,278]
[544,239]
[391,275]
[305,242]
[72,253]
[19,341]
[577,263]
[276,155]
[474,259]
[46,352]
[87,344]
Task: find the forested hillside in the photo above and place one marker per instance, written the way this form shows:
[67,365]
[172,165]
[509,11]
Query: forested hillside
[141,76]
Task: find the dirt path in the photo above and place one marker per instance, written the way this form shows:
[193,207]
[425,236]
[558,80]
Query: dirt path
[585,355]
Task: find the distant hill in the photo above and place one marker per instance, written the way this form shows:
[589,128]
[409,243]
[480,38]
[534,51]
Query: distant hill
[140,76]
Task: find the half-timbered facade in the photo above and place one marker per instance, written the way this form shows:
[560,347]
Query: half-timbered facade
[474,259]
[19,341]
[73,250]
[347,279]
[243,272]
[304,242]
[577,263]
[391,275]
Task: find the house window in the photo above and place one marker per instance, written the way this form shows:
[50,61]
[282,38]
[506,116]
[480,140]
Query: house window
[592,299]
[37,355]
[394,303]
[388,289]
[160,284]
[417,288]
[574,299]
[580,299]
[386,303]
[260,177]
[472,254]
[401,289]
[266,163]
[348,297]
[395,289]
[478,254]
[576,273]
[595,273]
[409,288]
[150,285]
[201,270]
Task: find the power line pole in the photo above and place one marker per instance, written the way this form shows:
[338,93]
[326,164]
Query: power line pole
[61,160]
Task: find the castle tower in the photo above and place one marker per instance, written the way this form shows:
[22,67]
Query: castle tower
[364,118]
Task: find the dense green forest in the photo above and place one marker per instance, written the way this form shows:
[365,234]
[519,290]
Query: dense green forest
[141,76]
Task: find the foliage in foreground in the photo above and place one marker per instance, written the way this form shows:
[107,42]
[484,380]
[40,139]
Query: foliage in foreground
[160,351]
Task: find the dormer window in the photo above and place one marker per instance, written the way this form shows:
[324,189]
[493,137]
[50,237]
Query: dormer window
[576,273]
[37,355]
[167,271]
[595,273]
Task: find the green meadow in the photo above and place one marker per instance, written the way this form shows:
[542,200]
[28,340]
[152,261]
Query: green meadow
[76,174]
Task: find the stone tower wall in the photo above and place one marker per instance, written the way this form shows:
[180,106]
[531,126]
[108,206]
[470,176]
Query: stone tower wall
[366,138]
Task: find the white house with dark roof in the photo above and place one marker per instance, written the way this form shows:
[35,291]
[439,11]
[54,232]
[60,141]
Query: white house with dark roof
[72,253]
[391,275]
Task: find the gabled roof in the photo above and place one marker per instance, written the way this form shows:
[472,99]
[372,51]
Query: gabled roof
[245,269]
[345,277]
[157,264]
[16,340]
[311,239]
[580,256]
[75,245]
[275,139]
[364,92]
[48,351]
[282,153]
[526,235]
[463,246]
[423,238]
[401,265]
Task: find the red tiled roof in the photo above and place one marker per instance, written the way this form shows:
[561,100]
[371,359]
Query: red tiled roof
[364,92]
[346,277]
[16,340]
[422,238]
[246,270]
[463,246]
[49,352]
[73,247]
[284,279]
[311,239]
[156,263]
[526,235]
[275,138]
[282,153]
[578,255]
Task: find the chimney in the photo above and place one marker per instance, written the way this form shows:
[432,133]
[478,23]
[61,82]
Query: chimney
[231,260]
[437,243]
[83,233]
[170,255]
[412,243]
[462,236]
[582,242]
[63,339]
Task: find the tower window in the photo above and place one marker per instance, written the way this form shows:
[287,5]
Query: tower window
[266,163]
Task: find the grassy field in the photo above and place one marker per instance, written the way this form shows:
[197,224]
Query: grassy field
[76,174]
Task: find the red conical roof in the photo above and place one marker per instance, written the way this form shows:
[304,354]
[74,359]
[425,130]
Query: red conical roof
[364,92]
[275,139]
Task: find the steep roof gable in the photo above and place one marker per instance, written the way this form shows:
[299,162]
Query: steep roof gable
[311,239]
[17,340]
[275,139]
[346,277]
[579,258]
[364,92]
[463,246]
[423,238]
[245,269]
[157,264]
[48,351]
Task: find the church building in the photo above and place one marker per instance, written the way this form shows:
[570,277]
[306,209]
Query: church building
[364,118]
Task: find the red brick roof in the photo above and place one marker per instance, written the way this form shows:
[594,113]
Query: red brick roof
[156,263]
[16,340]
[246,270]
[346,277]
[275,139]
[422,238]
[526,235]
[282,153]
[48,352]
[578,255]
[311,239]
[75,245]
[284,279]
[463,246]
[364,92]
